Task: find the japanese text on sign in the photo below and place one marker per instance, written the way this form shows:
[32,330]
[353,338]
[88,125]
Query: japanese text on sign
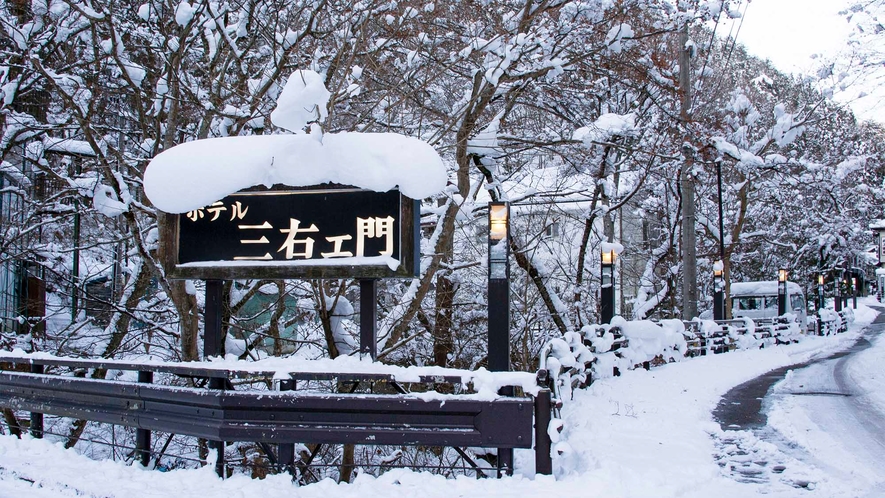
[267,235]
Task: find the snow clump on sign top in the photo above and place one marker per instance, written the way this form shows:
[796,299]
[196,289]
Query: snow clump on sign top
[195,174]
[302,100]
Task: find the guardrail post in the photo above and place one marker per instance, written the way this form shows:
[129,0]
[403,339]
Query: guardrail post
[143,436]
[368,319]
[218,383]
[36,418]
[286,451]
[543,407]
[505,455]
[213,340]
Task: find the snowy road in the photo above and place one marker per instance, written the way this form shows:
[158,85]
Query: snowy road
[830,416]
[811,423]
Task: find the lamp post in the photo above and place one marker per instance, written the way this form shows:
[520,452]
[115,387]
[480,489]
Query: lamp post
[499,287]
[837,290]
[821,302]
[719,266]
[878,228]
[854,292]
[499,306]
[718,292]
[607,291]
[781,292]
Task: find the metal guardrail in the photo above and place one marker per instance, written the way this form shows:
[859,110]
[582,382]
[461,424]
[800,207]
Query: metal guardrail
[283,418]
[275,417]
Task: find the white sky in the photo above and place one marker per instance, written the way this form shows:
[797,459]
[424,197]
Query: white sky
[790,32]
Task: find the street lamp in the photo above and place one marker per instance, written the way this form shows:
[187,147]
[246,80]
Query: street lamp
[837,290]
[499,233]
[499,306]
[781,292]
[718,280]
[499,286]
[854,292]
[820,292]
[607,291]
[878,227]
[718,292]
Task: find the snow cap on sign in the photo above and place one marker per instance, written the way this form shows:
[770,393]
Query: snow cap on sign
[195,174]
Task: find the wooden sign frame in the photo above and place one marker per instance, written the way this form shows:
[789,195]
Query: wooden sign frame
[408,223]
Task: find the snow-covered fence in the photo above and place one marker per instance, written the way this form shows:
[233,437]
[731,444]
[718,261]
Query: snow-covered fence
[829,322]
[600,351]
[276,421]
[745,333]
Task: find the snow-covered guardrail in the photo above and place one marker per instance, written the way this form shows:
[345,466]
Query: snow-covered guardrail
[476,415]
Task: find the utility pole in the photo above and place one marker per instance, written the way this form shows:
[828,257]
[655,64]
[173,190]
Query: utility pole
[689,242]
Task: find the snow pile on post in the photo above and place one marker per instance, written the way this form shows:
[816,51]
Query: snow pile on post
[195,174]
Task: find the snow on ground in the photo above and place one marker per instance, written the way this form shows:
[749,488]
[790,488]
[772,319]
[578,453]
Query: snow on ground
[644,434]
[827,421]
[869,367]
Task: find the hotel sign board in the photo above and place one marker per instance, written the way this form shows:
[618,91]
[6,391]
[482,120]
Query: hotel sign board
[293,233]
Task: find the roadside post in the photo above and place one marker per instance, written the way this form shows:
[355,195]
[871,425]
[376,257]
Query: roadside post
[781,292]
[607,290]
[821,302]
[854,292]
[837,290]
[499,306]
[718,292]
[878,228]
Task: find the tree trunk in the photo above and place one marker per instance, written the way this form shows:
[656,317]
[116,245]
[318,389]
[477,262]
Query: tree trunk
[347,463]
[443,345]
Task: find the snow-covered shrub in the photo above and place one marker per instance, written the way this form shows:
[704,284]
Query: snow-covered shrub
[787,329]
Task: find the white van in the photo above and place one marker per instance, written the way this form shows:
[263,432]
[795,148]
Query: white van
[758,300]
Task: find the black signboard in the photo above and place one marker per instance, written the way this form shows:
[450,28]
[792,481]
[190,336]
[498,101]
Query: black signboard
[320,233]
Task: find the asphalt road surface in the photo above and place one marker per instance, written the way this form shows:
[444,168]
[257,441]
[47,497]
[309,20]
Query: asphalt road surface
[837,430]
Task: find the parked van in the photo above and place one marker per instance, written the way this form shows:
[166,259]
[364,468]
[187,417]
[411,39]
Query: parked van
[758,300]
